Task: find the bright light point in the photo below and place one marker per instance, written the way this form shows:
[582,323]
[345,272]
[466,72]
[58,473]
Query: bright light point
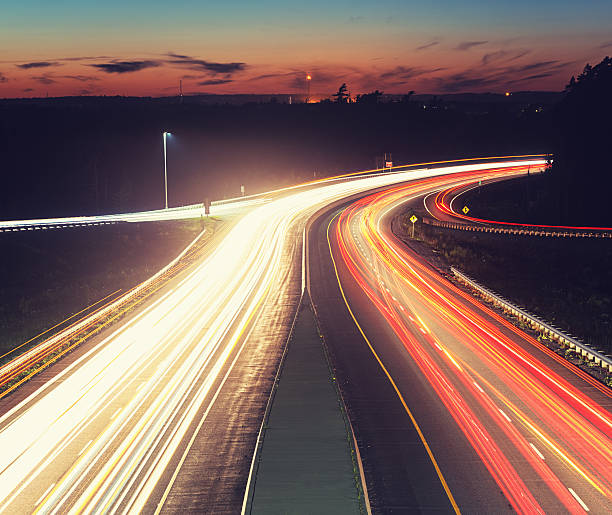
[508,93]
[308,77]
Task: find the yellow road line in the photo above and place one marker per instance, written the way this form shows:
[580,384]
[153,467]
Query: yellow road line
[400,396]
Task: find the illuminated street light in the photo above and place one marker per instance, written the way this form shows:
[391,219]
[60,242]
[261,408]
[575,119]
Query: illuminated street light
[166,134]
[308,79]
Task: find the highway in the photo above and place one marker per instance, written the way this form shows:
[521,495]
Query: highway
[160,412]
[444,205]
[454,409]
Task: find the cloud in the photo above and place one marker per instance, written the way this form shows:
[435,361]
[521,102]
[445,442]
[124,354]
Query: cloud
[44,80]
[38,64]
[482,78]
[178,56]
[28,90]
[271,76]
[3,78]
[85,58]
[606,44]
[537,65]
[227,69]
[427,45]
[214,82]
[85,92]
[534,77]
[125,66]
[404,73]
[504,55]
[465,81]
[80,78]
[467,45]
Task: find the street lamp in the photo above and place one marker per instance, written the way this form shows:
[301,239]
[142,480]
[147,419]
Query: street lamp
[308,79]
[166,134]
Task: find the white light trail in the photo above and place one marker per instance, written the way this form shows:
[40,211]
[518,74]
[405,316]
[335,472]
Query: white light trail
[138,392]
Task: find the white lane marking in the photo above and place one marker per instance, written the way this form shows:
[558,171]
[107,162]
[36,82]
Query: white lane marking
[478,386]
[49,489]
[505,416]
[536,450]
[423,330]
[584,506]
[85,447]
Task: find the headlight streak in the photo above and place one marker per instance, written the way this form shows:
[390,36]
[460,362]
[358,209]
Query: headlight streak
[139,391]
[582,426]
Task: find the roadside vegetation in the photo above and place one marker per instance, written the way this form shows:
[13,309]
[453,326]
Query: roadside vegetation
[47,276]
[567,282]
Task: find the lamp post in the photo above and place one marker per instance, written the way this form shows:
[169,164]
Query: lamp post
[308,79]
[166,168]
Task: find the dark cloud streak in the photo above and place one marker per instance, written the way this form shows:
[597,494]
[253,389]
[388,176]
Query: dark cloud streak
[38,64]
[44,80]
[503,55]
[80,78]
[214,82]
[427,45]
[408,72]
[125,66]
[467,45]
[227,69]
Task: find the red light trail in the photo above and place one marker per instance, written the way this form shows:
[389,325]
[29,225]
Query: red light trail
[489,375]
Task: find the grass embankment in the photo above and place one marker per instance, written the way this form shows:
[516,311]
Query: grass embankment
[47,276]
[565,281]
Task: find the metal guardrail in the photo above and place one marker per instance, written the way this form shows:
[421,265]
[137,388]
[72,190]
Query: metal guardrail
[524,231]
[581,348]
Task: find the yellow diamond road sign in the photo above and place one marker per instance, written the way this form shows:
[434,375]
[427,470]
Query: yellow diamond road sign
[413,218]
[465,210]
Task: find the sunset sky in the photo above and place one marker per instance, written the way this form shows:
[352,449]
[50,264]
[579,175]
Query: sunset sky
[137,47]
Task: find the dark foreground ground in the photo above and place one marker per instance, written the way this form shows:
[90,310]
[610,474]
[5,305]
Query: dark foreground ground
[46,276]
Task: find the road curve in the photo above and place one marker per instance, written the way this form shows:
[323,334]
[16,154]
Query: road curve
[140,420]
[453,407]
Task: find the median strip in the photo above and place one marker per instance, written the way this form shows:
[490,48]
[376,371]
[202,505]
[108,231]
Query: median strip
[305,462]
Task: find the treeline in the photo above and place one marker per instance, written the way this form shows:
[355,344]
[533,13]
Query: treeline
[98,155]
[581,177]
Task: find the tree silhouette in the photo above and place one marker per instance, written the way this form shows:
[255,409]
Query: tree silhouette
[369,98]
[342,94]
[406,98]
[582,173]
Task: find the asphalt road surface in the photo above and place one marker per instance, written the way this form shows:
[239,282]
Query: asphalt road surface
[161,413]
[453,408]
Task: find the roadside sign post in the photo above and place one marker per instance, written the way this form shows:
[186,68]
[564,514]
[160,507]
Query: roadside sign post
[465,210]
[413,219]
